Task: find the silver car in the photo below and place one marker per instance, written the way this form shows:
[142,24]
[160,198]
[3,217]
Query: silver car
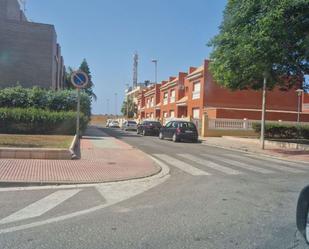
[129,125]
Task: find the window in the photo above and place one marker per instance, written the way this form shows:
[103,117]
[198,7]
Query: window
[148,103]
[152,102]
[151,115]
[165,98]
[175,125]
[169,124]
[196,90]
[196,113]
[165,114]
[173,96]
[172,114]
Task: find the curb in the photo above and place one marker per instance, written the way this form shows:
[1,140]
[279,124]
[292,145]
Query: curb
[251,152]
[157,164]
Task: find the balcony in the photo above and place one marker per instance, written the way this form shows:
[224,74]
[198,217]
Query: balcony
[196,95]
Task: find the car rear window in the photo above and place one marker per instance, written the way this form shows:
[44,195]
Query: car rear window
[187,125]
[131,122]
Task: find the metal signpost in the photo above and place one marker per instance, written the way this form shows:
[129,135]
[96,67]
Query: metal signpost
[79,80]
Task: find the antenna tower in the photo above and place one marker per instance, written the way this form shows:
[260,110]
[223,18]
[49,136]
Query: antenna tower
[135,69]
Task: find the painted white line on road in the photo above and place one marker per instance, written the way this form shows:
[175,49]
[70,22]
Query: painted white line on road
[145,184]
[241,165]
[211,164]
[40,207]
[267,164]
[181,165]
[278,161]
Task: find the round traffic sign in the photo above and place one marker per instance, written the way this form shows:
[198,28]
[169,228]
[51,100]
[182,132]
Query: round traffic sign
[79,79]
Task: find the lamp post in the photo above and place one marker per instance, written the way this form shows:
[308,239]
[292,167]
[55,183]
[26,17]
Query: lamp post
[156,69]
[299,94]
[127,93]
[116,112]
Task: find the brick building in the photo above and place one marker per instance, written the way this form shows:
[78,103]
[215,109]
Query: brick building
[195,94]
[29,53]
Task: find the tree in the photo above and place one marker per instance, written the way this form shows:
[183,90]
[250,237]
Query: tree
[67,79]
[262,44]
[129,108]
[89,90]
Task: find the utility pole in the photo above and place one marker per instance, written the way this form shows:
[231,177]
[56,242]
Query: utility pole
[116,113]
[299,94]
[127,100]
[107,107]
[135,69]
[263,113]
[156,70]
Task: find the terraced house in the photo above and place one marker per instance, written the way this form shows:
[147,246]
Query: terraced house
[195,95]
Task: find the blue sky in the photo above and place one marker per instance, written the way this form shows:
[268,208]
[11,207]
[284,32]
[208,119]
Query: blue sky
[107,32]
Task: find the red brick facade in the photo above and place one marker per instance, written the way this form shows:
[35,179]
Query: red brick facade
[195,93]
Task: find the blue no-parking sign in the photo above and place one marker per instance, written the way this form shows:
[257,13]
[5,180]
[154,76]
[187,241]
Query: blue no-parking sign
[79,79]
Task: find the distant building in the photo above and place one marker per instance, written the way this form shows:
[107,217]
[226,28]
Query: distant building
[29,52]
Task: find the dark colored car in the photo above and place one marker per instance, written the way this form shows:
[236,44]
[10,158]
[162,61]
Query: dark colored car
[179,130]
[302,213]
[149,128]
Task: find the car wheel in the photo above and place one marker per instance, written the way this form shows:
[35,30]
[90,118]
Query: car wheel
[175,138]
[161,135]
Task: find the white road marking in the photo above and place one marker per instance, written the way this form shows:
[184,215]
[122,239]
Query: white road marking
[181,165]
[267,164]
[40,207]
[210,164]
[294,164]
[145,184]
[241,165]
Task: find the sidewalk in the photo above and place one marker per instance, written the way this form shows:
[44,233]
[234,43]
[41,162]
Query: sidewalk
[233,143]
[103,159]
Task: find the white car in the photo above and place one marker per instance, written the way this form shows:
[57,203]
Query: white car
[114,124]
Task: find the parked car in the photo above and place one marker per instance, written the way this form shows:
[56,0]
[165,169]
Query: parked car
[108,122]
[179,130]
[129,126]
[149,128]
[114,124]
[302,213]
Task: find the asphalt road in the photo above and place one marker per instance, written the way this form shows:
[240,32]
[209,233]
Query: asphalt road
[214,199]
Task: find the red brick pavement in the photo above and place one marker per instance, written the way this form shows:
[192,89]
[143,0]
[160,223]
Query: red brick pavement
[98,163]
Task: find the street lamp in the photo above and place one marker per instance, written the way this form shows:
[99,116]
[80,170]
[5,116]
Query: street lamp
[156,69]
[116,112]
[299,94]
[127,101]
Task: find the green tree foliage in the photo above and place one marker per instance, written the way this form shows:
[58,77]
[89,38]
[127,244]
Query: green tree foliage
[35,97]
[89,90]
[262,38]
[85,68]
[129,107]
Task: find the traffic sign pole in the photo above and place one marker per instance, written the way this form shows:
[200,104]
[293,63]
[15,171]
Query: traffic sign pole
[78,112]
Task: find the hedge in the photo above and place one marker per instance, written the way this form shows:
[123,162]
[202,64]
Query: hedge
[65,100]
[288,131]
[39,121]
